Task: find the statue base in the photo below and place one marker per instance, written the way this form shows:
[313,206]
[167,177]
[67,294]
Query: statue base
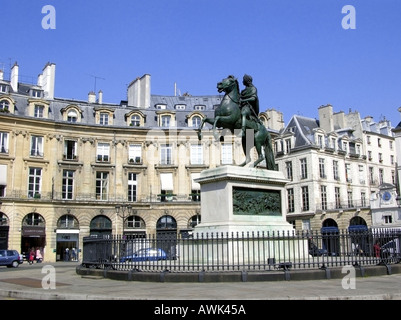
[240,199]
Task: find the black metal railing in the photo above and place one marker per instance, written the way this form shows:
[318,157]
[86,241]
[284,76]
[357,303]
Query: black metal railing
[250,251]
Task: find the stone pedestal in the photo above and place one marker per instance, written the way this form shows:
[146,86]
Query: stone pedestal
[241,199]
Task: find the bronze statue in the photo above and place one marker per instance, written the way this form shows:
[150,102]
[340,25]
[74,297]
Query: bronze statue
[249,103]
[235,113]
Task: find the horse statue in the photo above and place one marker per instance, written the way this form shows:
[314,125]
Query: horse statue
[228,116]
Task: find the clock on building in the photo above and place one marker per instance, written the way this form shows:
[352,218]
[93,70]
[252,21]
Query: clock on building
[386,196]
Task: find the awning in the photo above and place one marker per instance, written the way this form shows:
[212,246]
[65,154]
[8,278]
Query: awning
[195,185]
[166,180]
[3,175]
[329,230]
[357,228]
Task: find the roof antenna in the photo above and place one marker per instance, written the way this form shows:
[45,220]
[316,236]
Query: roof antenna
[96,77]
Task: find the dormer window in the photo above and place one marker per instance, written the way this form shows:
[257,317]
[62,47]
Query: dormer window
[38,108]
[4,106]
[36,93]
[135,121]
[160,106]
[38,111]
[180,107]
[199,107]
[3,88]
[72,116]
[104,118]
[71,113]
[165,121]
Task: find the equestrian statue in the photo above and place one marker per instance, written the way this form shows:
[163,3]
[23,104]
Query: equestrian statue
[239,110]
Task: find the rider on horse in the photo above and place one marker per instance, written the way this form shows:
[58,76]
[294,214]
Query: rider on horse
[249,103]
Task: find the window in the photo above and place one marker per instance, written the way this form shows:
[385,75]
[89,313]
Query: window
[345,146]
[180,107]
[335,170]
[166,151]
[34,182]
[363,199]
[287,146]
[387,219]
[322,171]
[3,142]
[72,116]
[38,111]
[391,145]
[135,121]
[323,197]
[132,187]
[196,121]
[165,121]
[320,141]
[135,222]
[68,222]
[370,155]
[348,176]
[103,150]
[361,174]
[380,157]
[288,168]
[68,185]
[200,107]
[135,153]
[3,183]
[4,105]
[337,197]
[371,175]
[305,199]
[350,200]
[36,93]
[3,88]
[368,140]
[333,143]
[102,185]
[391,159]
[196,154]
[36,146]
[381,176]
[70,150]
[304,169]
[379,142]
[226,153]
[104,118]
[291,201]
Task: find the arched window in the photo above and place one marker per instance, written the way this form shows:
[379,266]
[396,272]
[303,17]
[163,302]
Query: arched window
[166,222]
[68,222]
[33,219]
[72,116]
[100,225]
[3,219]
[4,106]
[134,222]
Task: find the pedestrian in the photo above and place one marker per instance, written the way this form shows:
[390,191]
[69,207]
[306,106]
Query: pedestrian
[377,249]
[38,255]
[73,254]
[31,256]
[67,254]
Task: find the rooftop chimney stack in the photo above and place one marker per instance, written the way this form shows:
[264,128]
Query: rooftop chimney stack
[14,77]
[1,75]
[92,97]
[47,80]
[100,97]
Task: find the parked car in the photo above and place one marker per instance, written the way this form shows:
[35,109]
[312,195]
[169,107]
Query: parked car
[391,248]
[147,254]
[10,258]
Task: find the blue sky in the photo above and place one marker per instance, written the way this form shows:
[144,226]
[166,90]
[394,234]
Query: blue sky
[297,51]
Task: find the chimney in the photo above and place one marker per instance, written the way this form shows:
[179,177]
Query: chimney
[326,118]
[100,98]
[47,80]
[139,92]
[14,77]
[92,97]
[1,75]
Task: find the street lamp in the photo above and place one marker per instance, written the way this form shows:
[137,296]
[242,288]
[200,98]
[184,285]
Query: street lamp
[123,208]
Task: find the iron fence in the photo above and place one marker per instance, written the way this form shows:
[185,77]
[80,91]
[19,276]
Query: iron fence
[246,251]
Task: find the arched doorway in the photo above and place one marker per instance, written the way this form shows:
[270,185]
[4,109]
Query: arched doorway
[361,242]
[4,228]
[33,233]
[100,226]
[134,227]
[67,237]
[330,237]
[166,235]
